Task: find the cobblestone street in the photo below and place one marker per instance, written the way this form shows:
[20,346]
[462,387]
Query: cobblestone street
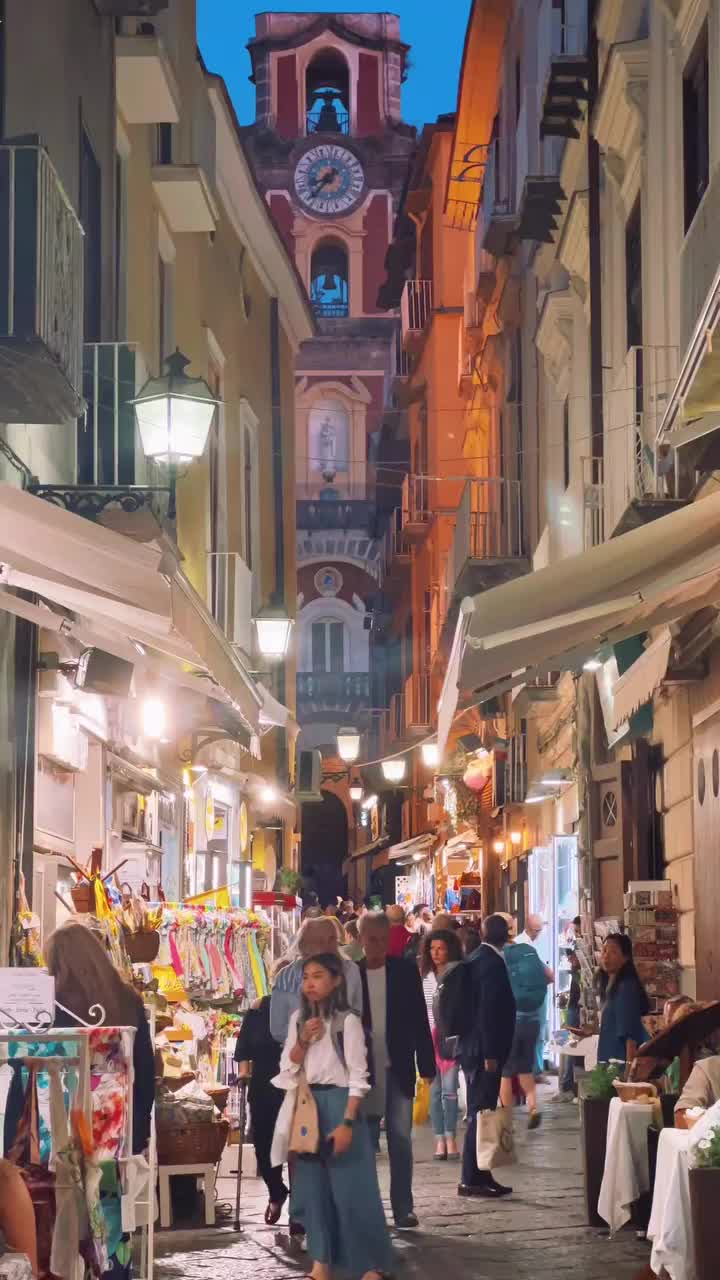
[538,1233]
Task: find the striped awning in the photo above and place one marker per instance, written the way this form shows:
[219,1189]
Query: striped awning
[637,685]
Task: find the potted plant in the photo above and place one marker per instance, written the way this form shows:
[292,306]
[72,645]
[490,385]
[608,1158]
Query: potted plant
[704,1203]
[596,1094]
[289,881]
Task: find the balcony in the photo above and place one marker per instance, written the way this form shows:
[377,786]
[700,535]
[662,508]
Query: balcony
[415,312]
[230,594]
[538,698]
[487,546]
[41,291]
[415,513]
[329,508]
[130,8]
[539,205]
[333,690]
[641,480]
[397,549]
[563,50]
[516,778]
[185,198]
[499,222]
[147,91]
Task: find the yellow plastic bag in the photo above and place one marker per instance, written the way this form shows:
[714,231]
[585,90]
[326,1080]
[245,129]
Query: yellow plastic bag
[421,1109]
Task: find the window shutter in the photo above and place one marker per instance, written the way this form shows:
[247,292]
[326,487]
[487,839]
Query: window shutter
[318,646]
[337,648]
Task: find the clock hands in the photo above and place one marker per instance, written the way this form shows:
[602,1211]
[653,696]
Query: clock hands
[328,176]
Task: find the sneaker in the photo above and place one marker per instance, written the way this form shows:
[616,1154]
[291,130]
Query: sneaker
[408,1223]
[534,1120]
[565,1095]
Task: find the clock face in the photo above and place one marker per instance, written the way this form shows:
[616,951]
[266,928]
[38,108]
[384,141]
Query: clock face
[329,179]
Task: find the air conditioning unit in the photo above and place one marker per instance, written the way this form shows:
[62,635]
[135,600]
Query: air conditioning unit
[309,776]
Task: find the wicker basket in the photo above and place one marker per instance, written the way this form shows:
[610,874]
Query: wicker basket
[201,1143]
[142,948]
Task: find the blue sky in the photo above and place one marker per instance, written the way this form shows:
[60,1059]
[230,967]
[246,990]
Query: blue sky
[435,31]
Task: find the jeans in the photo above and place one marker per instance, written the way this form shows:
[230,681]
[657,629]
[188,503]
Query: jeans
[398,1130]
[444,1102]
[483,1088]
[539,1064]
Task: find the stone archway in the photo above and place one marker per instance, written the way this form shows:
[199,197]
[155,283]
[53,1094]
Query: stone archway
[324,846]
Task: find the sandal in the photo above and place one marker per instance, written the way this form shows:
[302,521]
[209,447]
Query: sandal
[273,1211]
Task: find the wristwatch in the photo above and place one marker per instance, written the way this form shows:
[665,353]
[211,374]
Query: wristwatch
[349,1124]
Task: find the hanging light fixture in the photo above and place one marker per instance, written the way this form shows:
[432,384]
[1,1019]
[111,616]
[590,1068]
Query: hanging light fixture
[393,770]
[356,792]
[348,743]
[154,719]
[430,754]
[174,414]
[273,628]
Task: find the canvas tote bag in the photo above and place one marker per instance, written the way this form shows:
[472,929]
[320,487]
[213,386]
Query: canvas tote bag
[495,1143]
[305,1128]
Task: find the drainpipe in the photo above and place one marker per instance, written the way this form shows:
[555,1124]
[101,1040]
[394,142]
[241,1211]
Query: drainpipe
[593,165]
[278,595]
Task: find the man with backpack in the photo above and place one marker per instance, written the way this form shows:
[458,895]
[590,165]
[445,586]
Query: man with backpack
[529,979]
[476,1009]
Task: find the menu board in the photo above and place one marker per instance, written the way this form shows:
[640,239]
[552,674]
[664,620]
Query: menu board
[27,996]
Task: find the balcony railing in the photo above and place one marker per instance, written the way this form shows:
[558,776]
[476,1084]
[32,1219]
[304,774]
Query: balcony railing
[415,309]
[416,513]
[328,120]
[339,689]
[397,546]
[699,260]
[517,770]
[230,596]
[41,291]
[330,310]
[344,507]
[593,502]
[498,223]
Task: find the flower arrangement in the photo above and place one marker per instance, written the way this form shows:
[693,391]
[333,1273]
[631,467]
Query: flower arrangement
[708,1150]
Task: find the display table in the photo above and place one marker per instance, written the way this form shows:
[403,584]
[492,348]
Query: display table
[587,1049]
[670,1228]
[626,1176]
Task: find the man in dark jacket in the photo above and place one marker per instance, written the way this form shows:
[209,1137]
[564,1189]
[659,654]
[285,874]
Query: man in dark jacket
[395,1015]
[485,1047]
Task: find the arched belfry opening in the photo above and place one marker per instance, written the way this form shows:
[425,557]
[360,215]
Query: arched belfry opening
[329,280]
[327,93]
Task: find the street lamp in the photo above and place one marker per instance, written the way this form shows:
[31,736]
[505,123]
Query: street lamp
[153,718]
[393,770]
[430,754]
[356,792]
[174,414]
[273,628]
[348,742]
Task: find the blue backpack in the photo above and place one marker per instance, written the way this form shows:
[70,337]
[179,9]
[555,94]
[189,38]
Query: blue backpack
[527,976]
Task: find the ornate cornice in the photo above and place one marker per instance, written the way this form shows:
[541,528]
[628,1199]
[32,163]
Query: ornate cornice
[553,337]
[620,118]
[574,248]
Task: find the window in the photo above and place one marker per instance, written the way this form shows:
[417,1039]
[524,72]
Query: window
[328,646]
[696,126]
[248,503]
[91,219]
[566,443]
[518,89]
[327,93]
[166,312]
[121,240]
[164,144]
[215,385]
[330,280]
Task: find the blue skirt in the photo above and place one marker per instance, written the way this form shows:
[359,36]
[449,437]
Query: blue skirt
[338,1199]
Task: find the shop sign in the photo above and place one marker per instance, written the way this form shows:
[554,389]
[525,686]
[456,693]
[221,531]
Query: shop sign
[210,814]
[244,828]
[27,996]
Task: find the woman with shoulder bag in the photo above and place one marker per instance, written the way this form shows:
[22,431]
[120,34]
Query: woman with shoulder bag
[442,951]
[324,1071]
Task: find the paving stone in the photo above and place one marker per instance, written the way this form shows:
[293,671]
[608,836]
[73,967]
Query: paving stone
[538,1233]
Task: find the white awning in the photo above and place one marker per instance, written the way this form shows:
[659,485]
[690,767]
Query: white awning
[409,848]
[556,618]
[274,715]
[638,684]
[134,592]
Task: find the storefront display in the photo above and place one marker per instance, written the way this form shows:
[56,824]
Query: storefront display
[553,896]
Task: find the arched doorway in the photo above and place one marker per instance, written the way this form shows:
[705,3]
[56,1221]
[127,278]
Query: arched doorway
[324,846]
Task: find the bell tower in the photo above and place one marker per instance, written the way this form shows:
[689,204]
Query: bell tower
[331,153]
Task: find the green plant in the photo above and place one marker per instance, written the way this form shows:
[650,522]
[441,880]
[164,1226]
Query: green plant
[290,881]
[599,1086]
[708,1151]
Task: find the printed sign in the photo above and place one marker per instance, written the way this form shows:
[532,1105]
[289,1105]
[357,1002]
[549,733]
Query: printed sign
[27,996]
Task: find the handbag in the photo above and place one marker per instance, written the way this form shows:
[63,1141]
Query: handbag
[495,1142]
[40,1182]
[305,1128]
[421,1106]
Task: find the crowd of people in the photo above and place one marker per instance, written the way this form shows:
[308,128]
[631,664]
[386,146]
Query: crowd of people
[363,1006]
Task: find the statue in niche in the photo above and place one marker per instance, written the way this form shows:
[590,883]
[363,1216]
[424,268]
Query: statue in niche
[328,450]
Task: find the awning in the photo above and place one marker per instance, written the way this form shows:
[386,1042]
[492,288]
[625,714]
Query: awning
[373,847]
[411,848]
[638,684]
[132,593]
[274,715]
[555,618]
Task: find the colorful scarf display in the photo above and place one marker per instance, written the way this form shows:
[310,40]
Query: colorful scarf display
[213,954]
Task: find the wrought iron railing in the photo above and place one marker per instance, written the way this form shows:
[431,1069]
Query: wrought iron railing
[415,307]
[333,687]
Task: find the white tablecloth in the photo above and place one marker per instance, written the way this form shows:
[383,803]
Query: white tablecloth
[587,1049]
[626,1176]
[670,1226]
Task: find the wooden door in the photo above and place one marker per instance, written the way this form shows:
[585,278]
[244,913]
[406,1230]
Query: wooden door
[706,807]
[612,836]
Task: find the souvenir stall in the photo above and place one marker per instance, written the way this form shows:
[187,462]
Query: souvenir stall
[72,1131]
[459,875]
[413,863]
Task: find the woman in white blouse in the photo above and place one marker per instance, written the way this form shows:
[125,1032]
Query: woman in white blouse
[335,1193]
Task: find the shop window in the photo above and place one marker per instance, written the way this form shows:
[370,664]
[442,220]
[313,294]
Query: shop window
[696,126]
[330,280]
[327,93]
